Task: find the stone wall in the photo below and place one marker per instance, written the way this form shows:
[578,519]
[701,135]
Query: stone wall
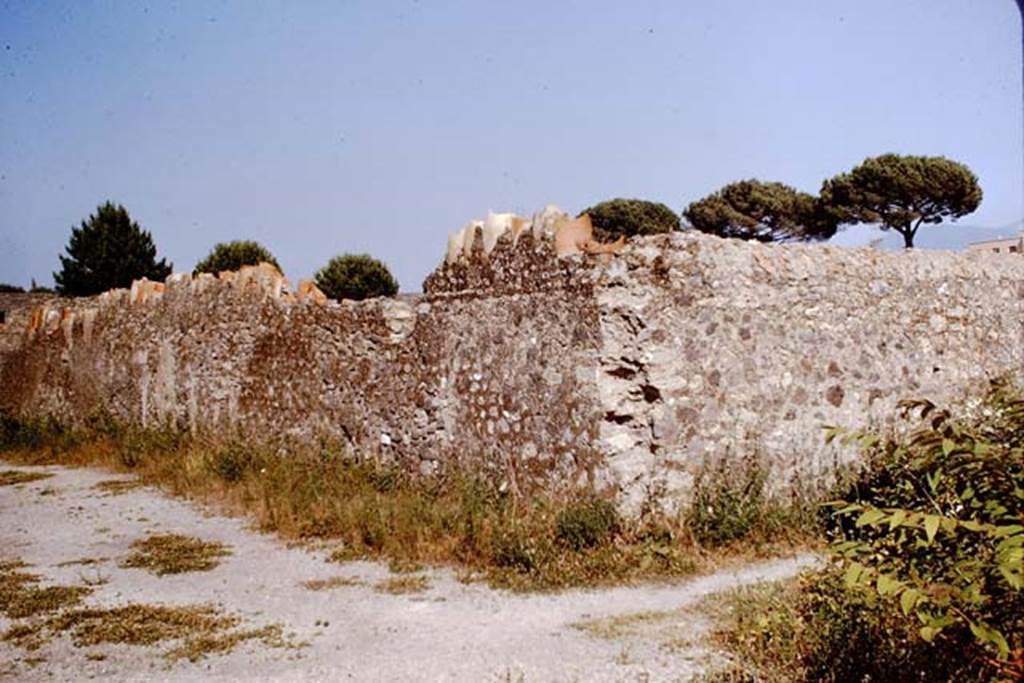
[15,315]
[628,371]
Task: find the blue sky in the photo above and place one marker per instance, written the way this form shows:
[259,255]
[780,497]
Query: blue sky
[326,127]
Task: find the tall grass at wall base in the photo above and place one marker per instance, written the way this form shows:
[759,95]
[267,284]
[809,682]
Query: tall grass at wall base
[359,508]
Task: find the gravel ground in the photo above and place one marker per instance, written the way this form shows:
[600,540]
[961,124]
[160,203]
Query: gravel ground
[450,631]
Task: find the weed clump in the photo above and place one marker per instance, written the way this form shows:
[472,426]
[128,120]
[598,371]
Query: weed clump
[586,523]
[230,461]
[175,554]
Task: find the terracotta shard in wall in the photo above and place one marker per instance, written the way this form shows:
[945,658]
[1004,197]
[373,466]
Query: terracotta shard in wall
[263,277]
[145,290]
[309,290]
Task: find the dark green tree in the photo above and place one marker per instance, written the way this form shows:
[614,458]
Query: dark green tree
[108,251]
[765,212]
[902,193]
[356,276]
[10,289]
[234,255]
[630,217]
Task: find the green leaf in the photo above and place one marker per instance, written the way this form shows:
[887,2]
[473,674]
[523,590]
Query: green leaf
[887,585]
[931,527]
[928,633]
[948,446]
[897,518]
[870,517]
[851,577]
[908,599]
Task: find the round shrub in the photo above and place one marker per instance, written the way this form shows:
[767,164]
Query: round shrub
[357,277]
[234,255]
[631,217]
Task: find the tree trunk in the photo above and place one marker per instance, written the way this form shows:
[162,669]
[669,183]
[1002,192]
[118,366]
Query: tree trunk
[908,238]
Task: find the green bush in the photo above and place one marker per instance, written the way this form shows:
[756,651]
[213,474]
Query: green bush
[356,276]
[631,217]
[586,523]
[10,289]
[815,629]
[30,433]
[234,255]
[933,531]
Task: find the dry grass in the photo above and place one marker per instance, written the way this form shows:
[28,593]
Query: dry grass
[175,554]
[195,631]
[116,487]
[403,585]
[13,477]
[198,630]
[368,510]
[331,583]
[759,627]
[623,625]
[21,595]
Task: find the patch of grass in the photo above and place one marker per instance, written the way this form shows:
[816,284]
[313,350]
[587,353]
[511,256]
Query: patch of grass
[403,565]
[331,583]
[175,554]
[403,585]
[199,630]
[198,647]
[21,595]
[12,477]
[586,523]
[25,636]
[623,625]
[761,628]
[731,504]
[115,487]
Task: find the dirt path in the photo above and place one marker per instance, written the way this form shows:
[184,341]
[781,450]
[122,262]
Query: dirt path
[449,631]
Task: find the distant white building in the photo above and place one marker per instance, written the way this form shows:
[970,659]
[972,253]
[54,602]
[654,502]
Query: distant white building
[1007,245]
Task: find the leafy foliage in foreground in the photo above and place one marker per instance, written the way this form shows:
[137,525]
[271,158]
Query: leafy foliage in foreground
[925,582]
[935,529]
